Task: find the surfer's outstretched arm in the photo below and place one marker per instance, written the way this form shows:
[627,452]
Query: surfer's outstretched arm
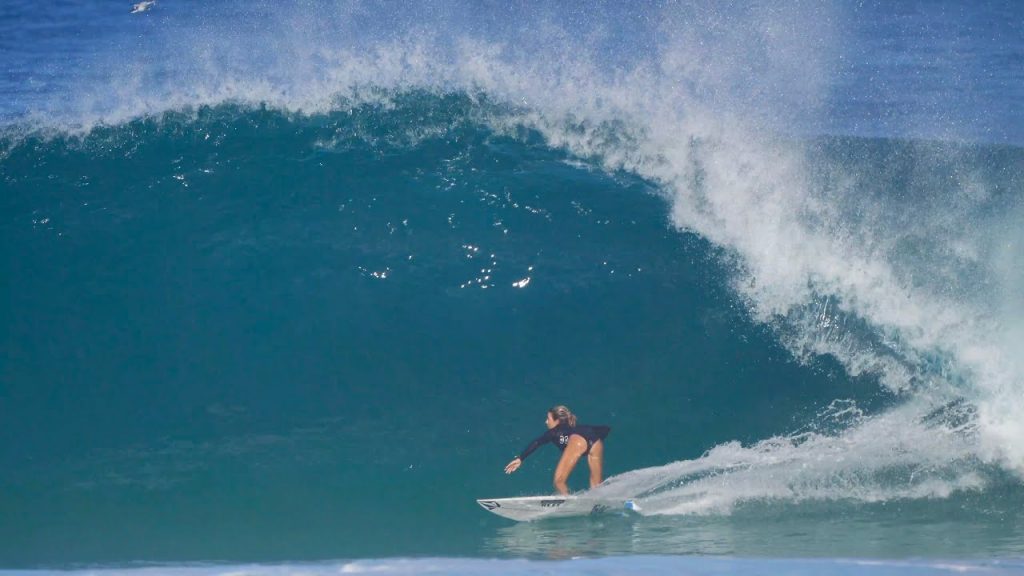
[518,460]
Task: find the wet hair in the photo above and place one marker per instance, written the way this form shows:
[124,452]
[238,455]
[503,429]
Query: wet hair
[563,415]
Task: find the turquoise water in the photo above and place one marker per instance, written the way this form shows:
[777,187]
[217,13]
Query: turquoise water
[278,294]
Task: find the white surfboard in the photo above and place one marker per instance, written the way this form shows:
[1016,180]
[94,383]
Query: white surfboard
[526,508]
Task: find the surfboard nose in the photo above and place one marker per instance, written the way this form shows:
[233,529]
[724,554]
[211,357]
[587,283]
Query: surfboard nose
[489,505]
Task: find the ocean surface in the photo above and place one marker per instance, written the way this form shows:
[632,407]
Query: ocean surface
[284,285]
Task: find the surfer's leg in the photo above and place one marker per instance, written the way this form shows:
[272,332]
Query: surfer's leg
[573,450]
[595,459]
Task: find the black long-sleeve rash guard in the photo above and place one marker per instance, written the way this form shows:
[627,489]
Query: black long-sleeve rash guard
[559,436]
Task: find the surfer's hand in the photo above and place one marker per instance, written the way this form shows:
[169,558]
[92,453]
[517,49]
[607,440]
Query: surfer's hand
[513,466]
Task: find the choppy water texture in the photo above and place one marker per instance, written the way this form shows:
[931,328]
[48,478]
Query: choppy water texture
[292,282]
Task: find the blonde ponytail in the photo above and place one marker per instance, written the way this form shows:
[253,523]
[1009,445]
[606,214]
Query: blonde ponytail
[563,415]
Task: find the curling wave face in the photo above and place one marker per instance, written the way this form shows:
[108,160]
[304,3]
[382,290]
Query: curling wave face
[898,258]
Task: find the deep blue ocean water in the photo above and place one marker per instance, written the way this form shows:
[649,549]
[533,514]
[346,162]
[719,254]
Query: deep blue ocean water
[288,283]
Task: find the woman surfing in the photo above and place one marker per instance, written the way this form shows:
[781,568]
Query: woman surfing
[574,441]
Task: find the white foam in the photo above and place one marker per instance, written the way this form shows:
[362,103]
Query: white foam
[896,455]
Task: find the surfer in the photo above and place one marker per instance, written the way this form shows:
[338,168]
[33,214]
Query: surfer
[574,441]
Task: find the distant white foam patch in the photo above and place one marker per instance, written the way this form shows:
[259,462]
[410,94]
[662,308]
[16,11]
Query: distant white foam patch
[625,565]
[140,7]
